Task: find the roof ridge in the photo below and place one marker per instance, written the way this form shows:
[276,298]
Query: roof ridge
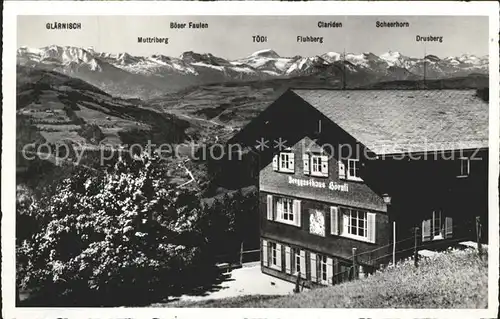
[372,89]
[410,119]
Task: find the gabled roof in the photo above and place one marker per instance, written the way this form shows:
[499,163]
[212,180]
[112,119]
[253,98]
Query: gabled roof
[406,121]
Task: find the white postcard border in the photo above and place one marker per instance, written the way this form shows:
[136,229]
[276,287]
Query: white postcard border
[13,8]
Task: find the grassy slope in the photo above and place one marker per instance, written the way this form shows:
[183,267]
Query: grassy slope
[59,106]
[455,279]
[54,108]
[234,302]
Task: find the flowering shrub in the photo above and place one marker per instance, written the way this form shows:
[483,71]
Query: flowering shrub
[125,233]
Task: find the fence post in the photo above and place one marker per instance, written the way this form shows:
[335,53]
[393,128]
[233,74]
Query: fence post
[297,284]
[241,254]
[478,237]
[415,257]
[354,264]
[394,243]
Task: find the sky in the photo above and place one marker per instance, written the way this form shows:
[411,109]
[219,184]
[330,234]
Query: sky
[231,36]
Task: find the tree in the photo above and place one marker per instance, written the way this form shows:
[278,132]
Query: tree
[113,238]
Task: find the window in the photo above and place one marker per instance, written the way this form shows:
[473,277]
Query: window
[357,223]
[286,163]
[274,254]
[316,164]
[297,261]
[437,226]
[319,165]
[353,223]
[323,266]
[464,167]
[285,209]
[353,170]
[436,231]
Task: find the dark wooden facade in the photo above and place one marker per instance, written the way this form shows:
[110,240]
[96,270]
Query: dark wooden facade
[425,189]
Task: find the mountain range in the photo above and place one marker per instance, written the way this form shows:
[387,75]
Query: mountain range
[128,76]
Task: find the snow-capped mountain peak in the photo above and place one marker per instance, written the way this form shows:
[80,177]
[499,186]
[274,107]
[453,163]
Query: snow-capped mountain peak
[391,55]
[472,59]
[370,56]
[267,53]
[332,56]
[65,54]
[160,58]
[71,57]
[358,59]
[203,58]
[125,58]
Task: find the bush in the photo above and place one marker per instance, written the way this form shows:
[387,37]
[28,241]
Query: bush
[92,133]
[119,237]
[228,221]
[483,93]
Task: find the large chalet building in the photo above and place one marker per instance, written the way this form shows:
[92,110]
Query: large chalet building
[340,168]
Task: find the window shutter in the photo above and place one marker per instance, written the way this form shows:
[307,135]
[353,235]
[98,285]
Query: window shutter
[305,160]
[303,273]
[291,159]
[329,271]
[426,230]
[275,162]
[297,214]
[345,223]
[264,253]
[340,220]
[278,209]
[278,255]
[448,227]
[314,267]
[341,169]
[372,226]
[324,165]
[288,259]
[334,220]
[270,212]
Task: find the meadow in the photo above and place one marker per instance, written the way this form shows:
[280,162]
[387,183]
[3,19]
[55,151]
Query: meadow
[452,279]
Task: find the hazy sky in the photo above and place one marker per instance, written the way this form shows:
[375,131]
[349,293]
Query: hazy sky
[231,36]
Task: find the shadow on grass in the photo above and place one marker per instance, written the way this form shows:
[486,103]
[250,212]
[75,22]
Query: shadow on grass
[131,296]
[201,291]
